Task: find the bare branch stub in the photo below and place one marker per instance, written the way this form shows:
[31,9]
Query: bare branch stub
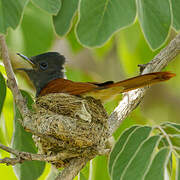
[142,67]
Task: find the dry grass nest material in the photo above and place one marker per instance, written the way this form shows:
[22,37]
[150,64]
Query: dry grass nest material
[79,125]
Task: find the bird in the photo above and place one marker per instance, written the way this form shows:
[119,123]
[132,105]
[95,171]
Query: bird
[73,112]
[48,76]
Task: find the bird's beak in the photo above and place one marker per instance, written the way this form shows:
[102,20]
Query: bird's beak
[28,60]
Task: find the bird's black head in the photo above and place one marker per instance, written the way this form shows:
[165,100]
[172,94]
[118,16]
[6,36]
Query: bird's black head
[45,68]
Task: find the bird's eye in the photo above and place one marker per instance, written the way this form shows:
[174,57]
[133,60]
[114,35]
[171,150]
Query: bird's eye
[43,65]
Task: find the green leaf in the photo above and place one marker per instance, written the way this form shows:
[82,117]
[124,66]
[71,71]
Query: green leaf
[38,37]
[75,46]
[77,75]
[28,98]
[84,173]
[178,169]
[119,145]
[155,20]
[163,143]
[8,116]
[134,52]
[172,131]
[98,20]
[53,173]
[3,135]
[169,165]
[157,167]
[176,14]
[175,125]
[128,150]
[141,160]
[111,105]
[102,52]
[129,122]
[22,141]
[10,13]
[99,168]
[7,172]
[50,6]
[2,91]
[175,139]
[170,128]
[63,20]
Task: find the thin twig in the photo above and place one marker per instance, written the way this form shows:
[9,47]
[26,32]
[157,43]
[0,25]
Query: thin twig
[11,161]
[9,150]
[132,99]
[21,156]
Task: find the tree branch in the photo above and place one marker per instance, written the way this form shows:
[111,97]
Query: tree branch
[76,164]
[19,100]
[25,156]
[11,161]
[132,99]
[73,169]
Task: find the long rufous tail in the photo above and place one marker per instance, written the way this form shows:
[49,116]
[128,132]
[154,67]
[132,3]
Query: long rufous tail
[110,90]
[143,80]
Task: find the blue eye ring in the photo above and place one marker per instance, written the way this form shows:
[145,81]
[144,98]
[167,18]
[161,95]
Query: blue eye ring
[43,65]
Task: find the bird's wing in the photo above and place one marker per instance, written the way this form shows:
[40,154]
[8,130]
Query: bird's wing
[66,86]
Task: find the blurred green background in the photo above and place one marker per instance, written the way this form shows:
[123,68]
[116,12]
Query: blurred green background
[116,60]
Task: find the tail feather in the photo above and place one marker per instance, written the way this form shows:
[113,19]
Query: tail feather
[143,80]
[108,91]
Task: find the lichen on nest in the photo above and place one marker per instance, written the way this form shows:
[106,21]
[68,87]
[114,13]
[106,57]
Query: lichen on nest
[79,123]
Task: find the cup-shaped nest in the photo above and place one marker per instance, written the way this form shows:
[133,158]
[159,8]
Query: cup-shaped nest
[78,124]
